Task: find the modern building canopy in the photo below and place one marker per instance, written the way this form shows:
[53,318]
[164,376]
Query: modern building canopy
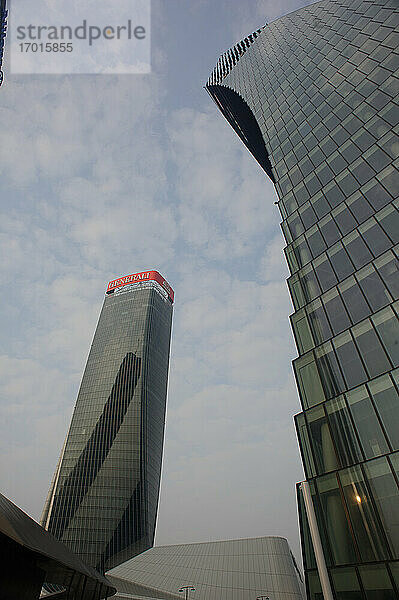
[31,556]
[225,570]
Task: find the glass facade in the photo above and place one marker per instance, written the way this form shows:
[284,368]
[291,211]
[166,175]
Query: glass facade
[322,85]
[103,499]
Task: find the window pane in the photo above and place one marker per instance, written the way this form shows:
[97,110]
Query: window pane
[344,219]
[296,291]
[302,332]
[314,586]
[308,216]
[340,261]
[349,360]
[366,423]
[310,468]
[295,225]
[330,374]
[316,242]
[354,301]
[386,497]
[395,463]
[389,221]
[394,567]
[323,449]
[320,205]
[370,349]
[376,582]
[357,250]
[388,268]
[386,323]
[325,273]
[291,259]
[343,433]
[333,194]
[336,312]
[335,519]
[308,381]
[375,237]
[307,546]
[376,194]
[309,283]
[372,287]
[346,584]
[360,207]
[386,399]
[329,230]
[302,252]
[365,524]
[318,321]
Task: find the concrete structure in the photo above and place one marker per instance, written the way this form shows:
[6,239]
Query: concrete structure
[314,97]
[103,499]
[226,570]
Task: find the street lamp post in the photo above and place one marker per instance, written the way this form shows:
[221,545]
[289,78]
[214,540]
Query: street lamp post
[187,589]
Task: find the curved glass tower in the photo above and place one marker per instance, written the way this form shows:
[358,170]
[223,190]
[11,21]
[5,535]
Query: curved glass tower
[314,97]
[103,499]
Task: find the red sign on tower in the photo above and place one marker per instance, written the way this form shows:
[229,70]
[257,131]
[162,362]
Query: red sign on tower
[139,277]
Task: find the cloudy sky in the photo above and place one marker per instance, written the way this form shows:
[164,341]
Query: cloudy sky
[105,175]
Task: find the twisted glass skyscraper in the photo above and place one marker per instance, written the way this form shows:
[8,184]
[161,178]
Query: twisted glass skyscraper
[314,97]
[103,499]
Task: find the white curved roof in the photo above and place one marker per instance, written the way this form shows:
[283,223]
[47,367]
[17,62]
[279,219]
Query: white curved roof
[226,570]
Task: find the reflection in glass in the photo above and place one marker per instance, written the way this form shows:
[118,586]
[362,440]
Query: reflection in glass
[386,497]
[322,445]
[346,584]
[343,433]
[387,325]
[318,321]
[366,423]
[349,360]
[372,287]
[340,261]
[325,273]
[388,268]
[308,380]
[370,348]
[310,468]
[302,332]
[357,249]
[365,524]
[330,374]
[386,399]
[336,312]
[314,586]
[309,282]
[375,237]
[309,557]
[376,583]
[341,542]
[354,301]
